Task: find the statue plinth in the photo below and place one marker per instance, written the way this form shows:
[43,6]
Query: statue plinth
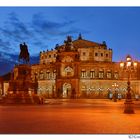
[22,89]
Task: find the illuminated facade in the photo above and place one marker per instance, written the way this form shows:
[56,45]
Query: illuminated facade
[81,69]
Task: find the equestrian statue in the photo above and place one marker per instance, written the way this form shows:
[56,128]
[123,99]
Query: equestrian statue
[24,54]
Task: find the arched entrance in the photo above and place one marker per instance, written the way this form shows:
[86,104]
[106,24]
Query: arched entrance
[66,90]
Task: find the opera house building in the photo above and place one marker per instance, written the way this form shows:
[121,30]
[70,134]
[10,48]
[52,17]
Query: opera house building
[77,69]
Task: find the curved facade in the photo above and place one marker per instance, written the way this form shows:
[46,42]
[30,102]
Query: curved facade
[81,69]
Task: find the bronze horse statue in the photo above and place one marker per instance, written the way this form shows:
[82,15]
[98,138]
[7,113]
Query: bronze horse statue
[24,54]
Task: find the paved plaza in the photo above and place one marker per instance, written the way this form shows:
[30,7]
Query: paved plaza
[63,116]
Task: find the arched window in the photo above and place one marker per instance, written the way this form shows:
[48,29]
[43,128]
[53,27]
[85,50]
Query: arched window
[48,74]
[83,73]
[68,71]
[109,75]
[54,74]
[101,74]
[96,54]
[92,73]
[41,77]
[116,75]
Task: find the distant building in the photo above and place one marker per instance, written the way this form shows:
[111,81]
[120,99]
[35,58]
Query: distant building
[81,69]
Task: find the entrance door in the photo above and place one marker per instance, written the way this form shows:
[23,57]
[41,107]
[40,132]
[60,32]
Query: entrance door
[66,90]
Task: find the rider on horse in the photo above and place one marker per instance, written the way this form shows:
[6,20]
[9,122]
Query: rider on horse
[24,54]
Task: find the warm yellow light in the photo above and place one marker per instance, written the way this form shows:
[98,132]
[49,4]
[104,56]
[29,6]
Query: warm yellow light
[115,85]
[128,58]
[135,64]
[128,64]
[121,64]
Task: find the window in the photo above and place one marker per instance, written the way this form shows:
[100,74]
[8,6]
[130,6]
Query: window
[49,56]
[68,71]
[54,55]
[101,54]
[48,75]
[84,53]
[116,75]
[54,74]
[96,54]
[36,75]
[108,75]
[45,75]
[41,77]
[83,74]
[106,55]
[43,62]
[92,74]
[101,74]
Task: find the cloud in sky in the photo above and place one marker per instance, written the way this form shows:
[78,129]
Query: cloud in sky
[41,23]
[39,28]
[37,33]
[43,27]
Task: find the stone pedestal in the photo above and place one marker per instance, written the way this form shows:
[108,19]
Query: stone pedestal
[129,109]
[22,89]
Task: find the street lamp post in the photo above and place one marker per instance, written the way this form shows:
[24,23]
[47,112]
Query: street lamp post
[128,66]
[115,92]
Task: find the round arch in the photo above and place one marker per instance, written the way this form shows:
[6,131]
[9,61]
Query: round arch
[67,89]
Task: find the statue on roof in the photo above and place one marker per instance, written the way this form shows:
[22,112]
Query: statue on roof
[24,54]
[104,44]
[69,39]
[80,37]
[56,46]
[68,43]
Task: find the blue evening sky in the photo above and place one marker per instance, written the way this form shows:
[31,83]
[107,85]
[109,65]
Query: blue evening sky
[43,27]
